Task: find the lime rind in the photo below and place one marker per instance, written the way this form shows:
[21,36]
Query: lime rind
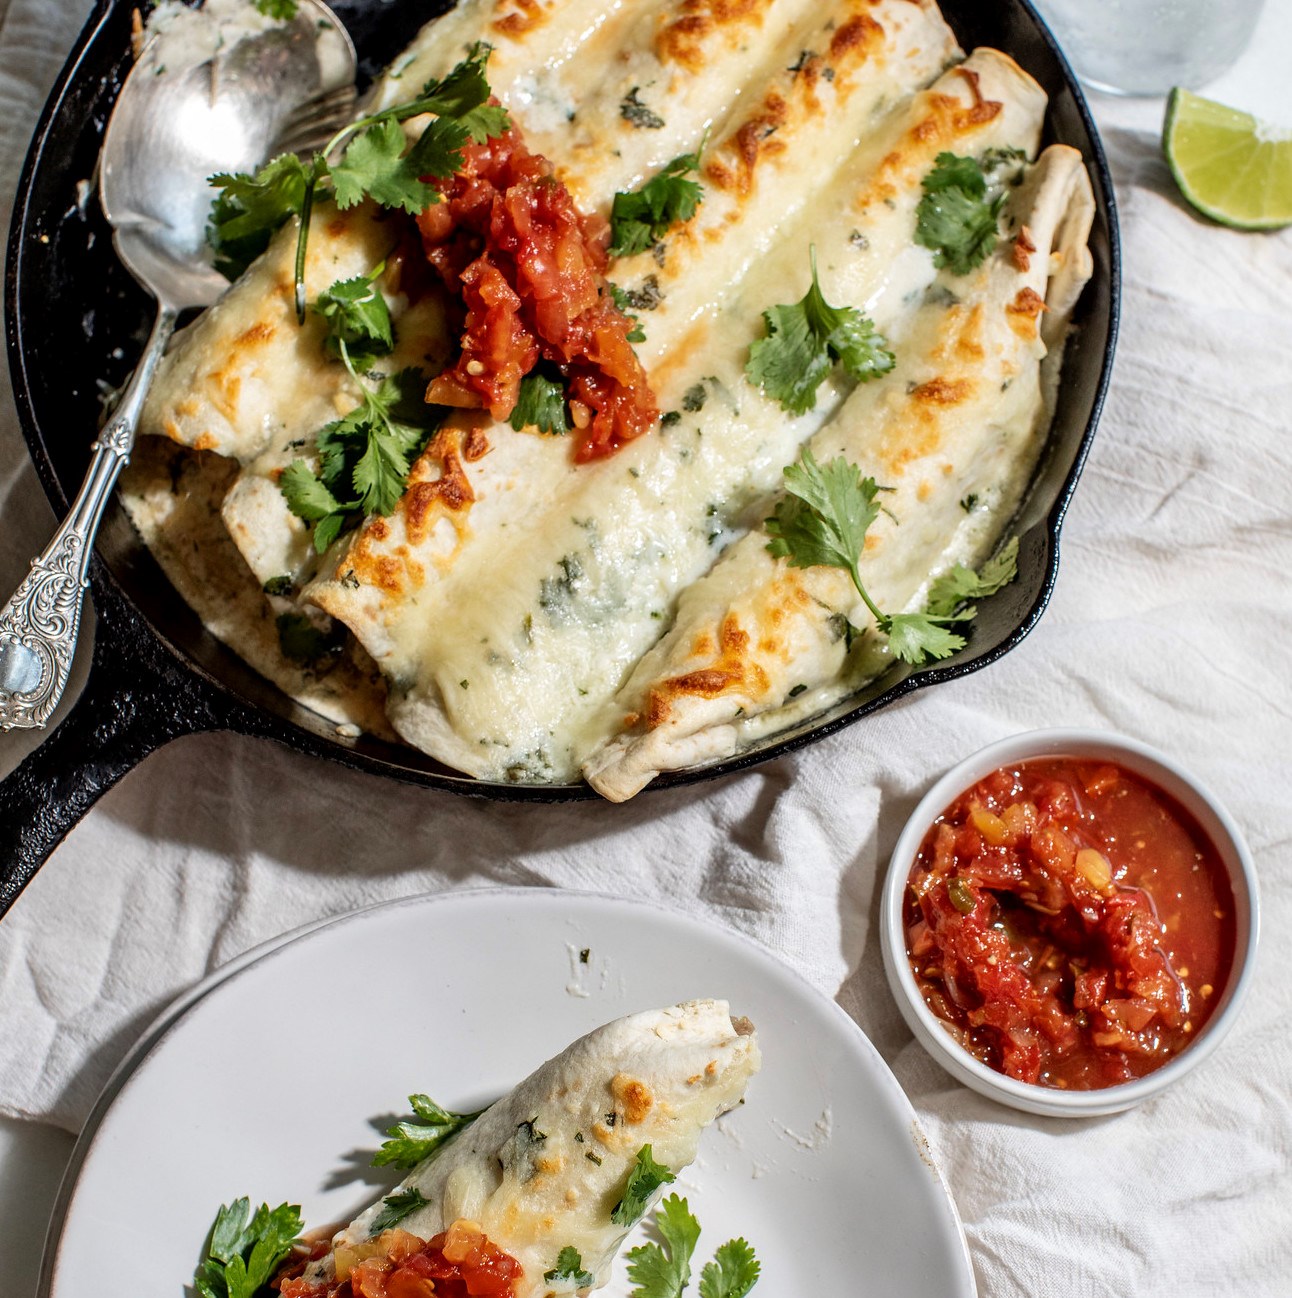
[1230,166]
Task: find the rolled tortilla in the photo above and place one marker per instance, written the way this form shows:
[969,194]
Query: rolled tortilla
[544,1168]
[952,434]
[506,600]
[245,382]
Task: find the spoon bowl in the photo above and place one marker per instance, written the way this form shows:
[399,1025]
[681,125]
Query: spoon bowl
[212,90]
[195,106]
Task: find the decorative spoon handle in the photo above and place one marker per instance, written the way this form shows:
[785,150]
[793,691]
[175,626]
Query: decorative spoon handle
[39,624]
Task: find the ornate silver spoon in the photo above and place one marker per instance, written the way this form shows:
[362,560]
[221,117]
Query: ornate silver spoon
[207,96]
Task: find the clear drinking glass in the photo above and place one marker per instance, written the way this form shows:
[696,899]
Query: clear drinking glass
[1144,47]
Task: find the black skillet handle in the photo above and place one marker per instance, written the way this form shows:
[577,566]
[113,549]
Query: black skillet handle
[136,698]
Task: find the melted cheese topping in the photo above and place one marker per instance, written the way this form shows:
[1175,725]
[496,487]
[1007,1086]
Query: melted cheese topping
[510,598]
[953,435]
[502,663]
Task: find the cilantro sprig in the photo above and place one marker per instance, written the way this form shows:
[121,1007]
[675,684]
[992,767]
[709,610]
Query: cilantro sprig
[357,315]
[640,218]
[645,1178]
[663,1271]
[805,340]
[412,1142]
[822,521]
[364,458]
[249,208]
[733,1272]
[245,1248]
[569,1270]
[956,217]
[368,158]
[284,9]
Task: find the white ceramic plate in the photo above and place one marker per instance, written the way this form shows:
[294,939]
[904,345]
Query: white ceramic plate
[275,1084]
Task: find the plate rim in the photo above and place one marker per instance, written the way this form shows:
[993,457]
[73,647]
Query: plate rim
[162,1027]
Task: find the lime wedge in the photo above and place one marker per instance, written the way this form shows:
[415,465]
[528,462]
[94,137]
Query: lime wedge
[1231,166]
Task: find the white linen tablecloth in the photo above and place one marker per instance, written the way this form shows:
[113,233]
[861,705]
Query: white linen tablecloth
[1171,622]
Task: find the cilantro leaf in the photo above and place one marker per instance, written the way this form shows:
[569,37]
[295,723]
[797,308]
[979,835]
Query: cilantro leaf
[637,114]
[304,641]
[824,516]
[284,9]
[914,637]
[375,165]
[307,497]
[569,1268]
[412,1142]
[248,209]
[960,584]
[803,342]
[364,457]
[823,519]
[246,1248]
[636,334]
[464,94]
[659,1273]
[395,1207]
[357,315]
[540,404]
[955,218]
[640,219]
[733,1272]
[646,1177]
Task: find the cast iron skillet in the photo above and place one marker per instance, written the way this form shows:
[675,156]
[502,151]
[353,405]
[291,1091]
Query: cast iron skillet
[74,316]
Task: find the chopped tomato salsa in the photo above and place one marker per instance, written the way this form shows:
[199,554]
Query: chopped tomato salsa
[529,267]
[461,1262]
[1070,923]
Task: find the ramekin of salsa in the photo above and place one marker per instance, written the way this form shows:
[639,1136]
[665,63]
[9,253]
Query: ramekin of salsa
[1069,922]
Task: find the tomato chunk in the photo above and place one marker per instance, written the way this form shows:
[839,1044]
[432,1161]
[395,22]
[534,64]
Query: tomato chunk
[461,1262]
[529,267]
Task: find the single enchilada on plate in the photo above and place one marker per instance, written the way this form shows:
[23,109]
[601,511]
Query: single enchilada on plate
[504,608]
[822,1170]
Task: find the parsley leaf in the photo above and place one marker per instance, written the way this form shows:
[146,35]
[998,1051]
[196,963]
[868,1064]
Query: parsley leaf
[396,1207]
[805,340]
[540,404]
[640,219]
[248,209]
[357,315]
[733,1272]
[646,1177]
[657,1273]
[823,519]
[284,9]
[955,217]
[569,1268]
[412,1142]
[246,1248]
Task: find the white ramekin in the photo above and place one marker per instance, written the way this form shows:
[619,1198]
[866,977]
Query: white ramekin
[1168,775]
